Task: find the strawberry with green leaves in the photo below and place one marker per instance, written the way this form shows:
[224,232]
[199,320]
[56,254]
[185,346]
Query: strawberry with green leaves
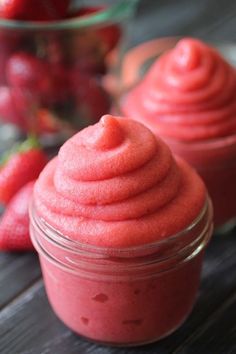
[22,165]
[14,223]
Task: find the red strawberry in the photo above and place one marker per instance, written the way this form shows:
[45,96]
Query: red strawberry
[14,224]
[109,35]
[59,89]
[47,122]
[84,50]
[27,104]
[21,167]
[92,100]
[27,72]
[37,119]
[10,41]
[91,64]
[8,110]
[37,10]
[35,82]
[4,55]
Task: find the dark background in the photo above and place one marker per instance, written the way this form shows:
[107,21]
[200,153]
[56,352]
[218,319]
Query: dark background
[212,19]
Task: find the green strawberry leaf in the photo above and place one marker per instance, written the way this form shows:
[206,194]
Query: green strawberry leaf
[30,143]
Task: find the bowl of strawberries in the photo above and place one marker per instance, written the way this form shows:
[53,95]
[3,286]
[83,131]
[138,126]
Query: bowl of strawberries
[55,57]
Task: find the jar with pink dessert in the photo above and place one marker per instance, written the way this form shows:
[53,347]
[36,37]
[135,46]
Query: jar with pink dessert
[187,96]
[122,296]
[121,231]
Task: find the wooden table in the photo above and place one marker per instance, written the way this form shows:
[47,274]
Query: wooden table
[27,323]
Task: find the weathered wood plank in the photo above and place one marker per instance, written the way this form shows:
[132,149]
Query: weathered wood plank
[6,258]
[40,331]
[217,335]
[218,283]
[17,273]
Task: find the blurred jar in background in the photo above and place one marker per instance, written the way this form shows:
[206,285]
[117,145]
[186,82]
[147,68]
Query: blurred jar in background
[188,98]
[52,74]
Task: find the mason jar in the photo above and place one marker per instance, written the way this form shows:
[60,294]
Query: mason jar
[213,158]
[122,296]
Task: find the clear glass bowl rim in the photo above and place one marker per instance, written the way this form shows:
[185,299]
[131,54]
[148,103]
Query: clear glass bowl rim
[115,13]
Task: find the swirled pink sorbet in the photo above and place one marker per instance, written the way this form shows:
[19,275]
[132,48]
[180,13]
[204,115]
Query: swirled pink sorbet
[115,184]
[115,188]
[188,98]
[189,94]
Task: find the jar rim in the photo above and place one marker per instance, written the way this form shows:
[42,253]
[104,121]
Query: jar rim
[74,245]
[116,12]
[162,257]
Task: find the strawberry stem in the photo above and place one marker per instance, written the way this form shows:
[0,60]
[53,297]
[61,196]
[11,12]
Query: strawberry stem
[30,143]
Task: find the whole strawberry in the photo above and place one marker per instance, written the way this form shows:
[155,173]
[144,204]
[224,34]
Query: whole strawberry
[14,224]
[8,109]
[35,83]
[28,73]
[36,10]
[108,35]
[19,168]
[92,100]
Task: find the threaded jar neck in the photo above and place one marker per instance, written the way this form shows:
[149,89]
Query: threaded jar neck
[139,261]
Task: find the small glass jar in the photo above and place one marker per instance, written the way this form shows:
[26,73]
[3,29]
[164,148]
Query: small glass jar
[215,162]
[127,296]
[53,74]
[214,159]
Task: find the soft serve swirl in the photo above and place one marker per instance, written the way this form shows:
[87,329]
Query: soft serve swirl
[115,184]
[188,94]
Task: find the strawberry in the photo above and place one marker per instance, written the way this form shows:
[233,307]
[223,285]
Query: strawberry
[4,55]
[8,110]
[38,10]
[84,51]
[14,224]
[47,122]
[10,41]
[108,35]
[19,168]
[27,104]
[37,119]
[27,72]
[59,89]
[91,64]
[92,100]
[36,82]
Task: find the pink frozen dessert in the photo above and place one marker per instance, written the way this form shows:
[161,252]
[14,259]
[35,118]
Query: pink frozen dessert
[188,97]
[121,228]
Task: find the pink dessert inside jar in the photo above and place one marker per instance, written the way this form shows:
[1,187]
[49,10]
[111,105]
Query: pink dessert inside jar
[188,98]
[116,269]
[128,311]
